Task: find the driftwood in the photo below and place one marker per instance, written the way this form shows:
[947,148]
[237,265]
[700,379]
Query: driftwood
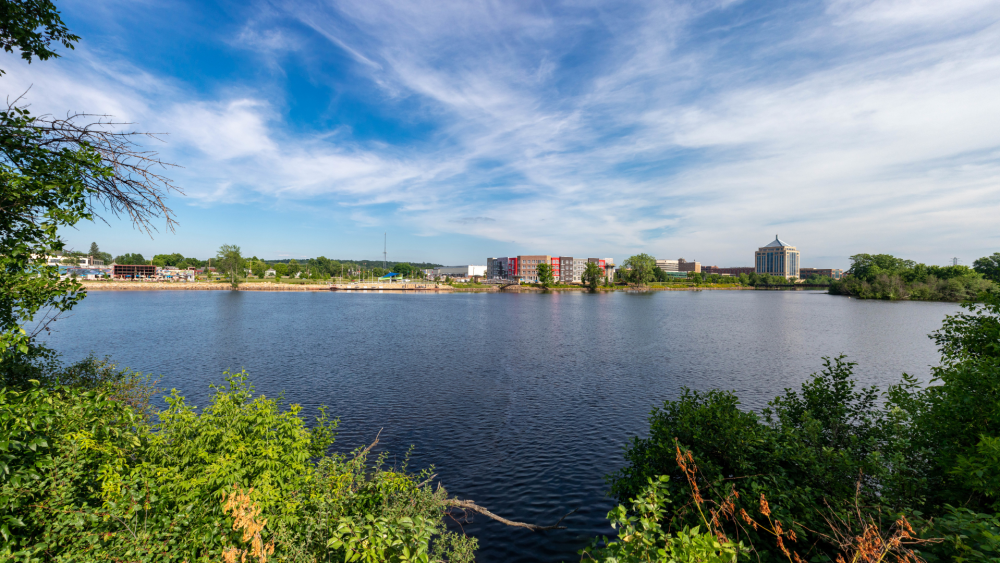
[469,505]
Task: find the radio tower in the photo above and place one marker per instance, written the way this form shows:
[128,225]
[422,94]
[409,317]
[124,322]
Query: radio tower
[385,242]
[954,261]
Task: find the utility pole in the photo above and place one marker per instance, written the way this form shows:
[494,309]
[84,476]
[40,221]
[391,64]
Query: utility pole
[385,242]
[954,261]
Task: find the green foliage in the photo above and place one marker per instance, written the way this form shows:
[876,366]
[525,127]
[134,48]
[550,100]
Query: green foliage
[805,452]
[131,259]
[44,188]
[280,269]
[642,537]
[95,251]
[959,417]
[592,275]
[989,267]
[168,259]
[545,276]
[965,536]
[639,269]
[886,277]
[231,263]
[817,279]
[834,452]
[868,267]
[88,472]
[31,26]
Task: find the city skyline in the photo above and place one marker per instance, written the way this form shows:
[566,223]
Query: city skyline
[477,129]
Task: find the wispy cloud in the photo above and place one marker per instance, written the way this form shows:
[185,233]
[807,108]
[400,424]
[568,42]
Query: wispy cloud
[674,128]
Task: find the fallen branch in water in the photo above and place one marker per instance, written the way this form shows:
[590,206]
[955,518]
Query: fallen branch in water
[370,446]
[469,505]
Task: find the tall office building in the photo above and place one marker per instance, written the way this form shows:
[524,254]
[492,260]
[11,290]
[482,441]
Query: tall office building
[778,258]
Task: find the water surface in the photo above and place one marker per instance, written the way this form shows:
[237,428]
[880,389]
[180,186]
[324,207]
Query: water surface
[521,401]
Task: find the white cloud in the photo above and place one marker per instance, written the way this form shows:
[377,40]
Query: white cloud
[653,142]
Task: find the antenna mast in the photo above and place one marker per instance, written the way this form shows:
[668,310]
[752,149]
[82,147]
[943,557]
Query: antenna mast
[385,242]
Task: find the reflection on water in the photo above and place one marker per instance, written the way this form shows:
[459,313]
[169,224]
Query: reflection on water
[521,401]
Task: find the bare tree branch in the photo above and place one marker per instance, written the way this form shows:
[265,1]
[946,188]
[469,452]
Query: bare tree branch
[137,187]
[469,505]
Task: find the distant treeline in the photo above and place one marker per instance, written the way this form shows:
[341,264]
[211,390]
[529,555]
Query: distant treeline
[330,266]
[883,276]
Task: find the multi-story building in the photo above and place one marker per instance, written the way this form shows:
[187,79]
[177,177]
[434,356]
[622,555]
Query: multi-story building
[834,273]
[565,269]
[504,268]
[778,258]
[685,266]
[562,268]
[679,265]
[668,265]
[527,266]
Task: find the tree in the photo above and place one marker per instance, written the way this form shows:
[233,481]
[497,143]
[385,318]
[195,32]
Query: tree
[31,26]
[231,263]
[989,267]
[545,275]
[130,259]
[293,267]
[168,259]
[55,172]
[280,269]
[867,267]
[258,268]
[94,250]
[592,275]
[639,269]
[660,276]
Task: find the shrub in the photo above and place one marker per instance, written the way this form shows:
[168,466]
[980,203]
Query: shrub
[85,475]
[833,452]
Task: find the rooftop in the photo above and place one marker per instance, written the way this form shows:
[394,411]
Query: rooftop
[776,242]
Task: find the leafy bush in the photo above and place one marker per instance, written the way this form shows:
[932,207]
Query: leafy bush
[642,537]
[85,475]
[804,452]
[835,452]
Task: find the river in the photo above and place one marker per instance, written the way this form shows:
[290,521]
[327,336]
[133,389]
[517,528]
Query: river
[522,402]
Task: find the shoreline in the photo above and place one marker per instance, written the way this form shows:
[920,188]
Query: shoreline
[268,286]
[197,286]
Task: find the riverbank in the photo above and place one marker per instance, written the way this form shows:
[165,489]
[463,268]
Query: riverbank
[271,286]
[536,289]
[197,286]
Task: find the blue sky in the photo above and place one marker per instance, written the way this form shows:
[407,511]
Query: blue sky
[473,129]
